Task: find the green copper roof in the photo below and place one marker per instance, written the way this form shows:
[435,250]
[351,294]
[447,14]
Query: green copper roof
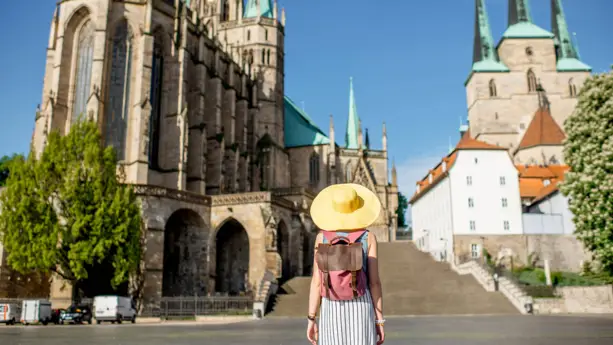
[300,130]
[251,9]
[351,136]
[485,58]
[526,30]
[566,52]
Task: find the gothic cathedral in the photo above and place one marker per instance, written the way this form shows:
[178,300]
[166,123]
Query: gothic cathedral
[191,96]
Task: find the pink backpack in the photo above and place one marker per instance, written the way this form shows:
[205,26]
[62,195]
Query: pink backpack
[342,265]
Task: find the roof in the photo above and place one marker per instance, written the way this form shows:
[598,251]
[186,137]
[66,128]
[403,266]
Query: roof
[543,130]
[526,30]
[353,121]
[300,130]
[251,9]
[485,57]
[572,65]
[567,51]
[532,180]
[438,173]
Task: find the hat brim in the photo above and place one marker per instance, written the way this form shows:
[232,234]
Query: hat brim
[327,218]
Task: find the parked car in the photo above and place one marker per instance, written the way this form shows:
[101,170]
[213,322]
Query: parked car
[35,311]
[55,315]
[76,314]
[9,313]
[114,309]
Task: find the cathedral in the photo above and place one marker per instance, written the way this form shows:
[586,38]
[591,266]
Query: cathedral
[520,92]
[191,96]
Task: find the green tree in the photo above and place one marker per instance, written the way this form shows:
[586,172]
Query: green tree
[5,163]
[588,150]
[68,213]
[403,204]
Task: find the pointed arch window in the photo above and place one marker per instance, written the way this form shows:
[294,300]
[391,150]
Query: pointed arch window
[531,81]
[225,16]
[118,104]
[248,35]
[263,56]
[572,89]
[492,86]
[268,56]
[85,59]
[157,72]
[314,169]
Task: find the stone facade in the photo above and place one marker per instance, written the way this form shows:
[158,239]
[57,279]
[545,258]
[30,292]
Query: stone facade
[564,252]
[577,299]
[191,96]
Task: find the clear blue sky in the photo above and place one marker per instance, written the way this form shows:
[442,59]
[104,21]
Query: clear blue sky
[409,60]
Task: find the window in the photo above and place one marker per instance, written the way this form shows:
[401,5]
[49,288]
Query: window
[263,56]
[471,203]
[474,251]
[266,34]
[503,181]
[529,51]
[348,172]
[505,202]
[496,116]
[506,225]
[469,180]
[85,59]
[492,88]
[476,160]
[531,81]
[157,71]
[118,105]
[472,225]
[314,169]
[268,57]
[248,35]
[572,89]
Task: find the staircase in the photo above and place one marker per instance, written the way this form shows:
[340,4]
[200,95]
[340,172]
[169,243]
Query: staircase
[413,284]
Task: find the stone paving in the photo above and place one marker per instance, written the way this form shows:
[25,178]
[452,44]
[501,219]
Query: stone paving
[435,330]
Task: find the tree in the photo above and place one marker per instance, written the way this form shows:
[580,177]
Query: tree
[403,204]
[588,150]
[5,163]
[67,212]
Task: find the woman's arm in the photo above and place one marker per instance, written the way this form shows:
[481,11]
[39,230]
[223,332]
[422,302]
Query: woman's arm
[314,295]
[373,276]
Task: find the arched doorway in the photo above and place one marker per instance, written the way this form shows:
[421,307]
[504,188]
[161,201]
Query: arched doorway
[232,259]
[283,247]
[308,250]
[185,264]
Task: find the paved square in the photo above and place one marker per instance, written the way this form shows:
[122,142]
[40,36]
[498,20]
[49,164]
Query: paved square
[440,330]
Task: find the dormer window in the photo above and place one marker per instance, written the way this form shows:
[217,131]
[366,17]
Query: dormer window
[546,183]
[444,166]
[417,188]
[430,178]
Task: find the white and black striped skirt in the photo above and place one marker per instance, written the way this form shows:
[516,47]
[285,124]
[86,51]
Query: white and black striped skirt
[347,322]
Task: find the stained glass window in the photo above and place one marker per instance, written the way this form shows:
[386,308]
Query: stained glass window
[157,70]
[85,58]
[118,104]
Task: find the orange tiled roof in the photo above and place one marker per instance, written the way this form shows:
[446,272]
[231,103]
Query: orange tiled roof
[532,180]
[465,143]
[547,191]
[543,130]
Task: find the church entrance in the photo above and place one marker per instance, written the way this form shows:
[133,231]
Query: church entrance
[185,264]
[232,264]
[308,250]
[283,247]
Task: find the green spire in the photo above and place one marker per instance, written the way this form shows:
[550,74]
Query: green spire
[251,9]
[351,137]
[485,58]
[520,22]
[566,52]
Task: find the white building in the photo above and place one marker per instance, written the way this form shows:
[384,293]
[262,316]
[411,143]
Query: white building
[472,192]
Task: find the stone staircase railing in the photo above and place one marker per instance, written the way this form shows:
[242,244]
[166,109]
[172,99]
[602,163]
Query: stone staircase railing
[509,288]
[267,288]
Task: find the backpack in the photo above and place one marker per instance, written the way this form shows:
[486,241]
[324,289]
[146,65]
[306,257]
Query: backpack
[342,259]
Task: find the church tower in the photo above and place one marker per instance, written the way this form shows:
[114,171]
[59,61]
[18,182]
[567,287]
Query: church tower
[503,87]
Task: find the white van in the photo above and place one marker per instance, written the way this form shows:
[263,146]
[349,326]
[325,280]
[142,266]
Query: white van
[114,309]
[9,313]
[35,311]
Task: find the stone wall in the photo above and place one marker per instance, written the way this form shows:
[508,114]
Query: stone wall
[577,299]
[564,252]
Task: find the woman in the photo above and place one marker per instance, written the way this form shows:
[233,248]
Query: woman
[343,210]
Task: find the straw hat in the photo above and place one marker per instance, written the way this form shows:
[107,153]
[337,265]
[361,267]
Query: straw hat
[345,206]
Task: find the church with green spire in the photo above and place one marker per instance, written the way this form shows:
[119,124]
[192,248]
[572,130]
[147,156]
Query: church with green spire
[508,80]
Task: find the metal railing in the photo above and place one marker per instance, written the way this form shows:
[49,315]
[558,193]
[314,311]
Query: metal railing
[187,307]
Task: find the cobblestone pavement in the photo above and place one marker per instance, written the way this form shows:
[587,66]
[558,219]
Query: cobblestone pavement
[442,330]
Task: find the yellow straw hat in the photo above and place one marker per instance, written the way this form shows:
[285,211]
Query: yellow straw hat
[345,206]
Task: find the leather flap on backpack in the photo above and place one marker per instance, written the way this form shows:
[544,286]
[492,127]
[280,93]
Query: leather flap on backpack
[339,257]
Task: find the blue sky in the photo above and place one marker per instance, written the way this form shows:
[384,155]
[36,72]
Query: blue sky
[409,61]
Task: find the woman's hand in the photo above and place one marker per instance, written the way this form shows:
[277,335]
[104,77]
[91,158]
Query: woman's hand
[312,332]
[380,334]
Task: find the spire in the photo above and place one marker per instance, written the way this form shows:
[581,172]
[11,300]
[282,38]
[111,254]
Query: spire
[485,58]
[352,134]
[520,22]
[566,51]
[257,8]
[367,140]
[384,138]
[332,140]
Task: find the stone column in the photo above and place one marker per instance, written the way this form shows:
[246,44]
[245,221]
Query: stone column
[197,150]
[241,139]
[229,124]
[215,137]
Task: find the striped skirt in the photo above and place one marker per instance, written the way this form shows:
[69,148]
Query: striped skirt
[347,322]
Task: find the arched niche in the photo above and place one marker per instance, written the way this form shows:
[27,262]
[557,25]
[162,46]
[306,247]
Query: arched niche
[232,259]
